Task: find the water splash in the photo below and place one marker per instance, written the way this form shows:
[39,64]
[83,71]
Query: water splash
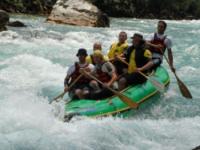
[33,64]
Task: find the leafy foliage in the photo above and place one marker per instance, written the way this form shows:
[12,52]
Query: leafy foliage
[27,6]
[170,9]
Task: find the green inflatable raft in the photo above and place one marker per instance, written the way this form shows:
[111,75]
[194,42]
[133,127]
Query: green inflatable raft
[113,105]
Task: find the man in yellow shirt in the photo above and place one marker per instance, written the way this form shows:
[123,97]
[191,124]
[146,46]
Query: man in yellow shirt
[117,49]
[139,60]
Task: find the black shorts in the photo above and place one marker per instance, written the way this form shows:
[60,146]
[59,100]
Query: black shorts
[104,93]
[134,78]
[78,86]
[157,61]
[119,66]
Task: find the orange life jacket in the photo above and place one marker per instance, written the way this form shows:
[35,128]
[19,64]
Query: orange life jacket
[102,76]
[76,73]
[158,41]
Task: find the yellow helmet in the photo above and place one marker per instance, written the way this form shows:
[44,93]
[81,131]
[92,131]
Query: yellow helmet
[98,53]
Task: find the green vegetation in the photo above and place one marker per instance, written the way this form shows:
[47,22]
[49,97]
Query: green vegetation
[167,9]
[174,9]
[27,6]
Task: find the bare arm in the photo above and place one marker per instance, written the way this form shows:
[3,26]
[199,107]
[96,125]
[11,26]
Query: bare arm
[170,56]
[66,82]
[146,66]
[112,72]
[113,79]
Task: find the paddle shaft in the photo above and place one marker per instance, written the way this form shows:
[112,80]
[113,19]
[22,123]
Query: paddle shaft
[70,86]
[159,86]
[128,65]
[124,98]
[183,88]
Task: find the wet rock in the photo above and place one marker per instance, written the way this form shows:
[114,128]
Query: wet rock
[16,24]
[4,18]
[196,148]
[78,12]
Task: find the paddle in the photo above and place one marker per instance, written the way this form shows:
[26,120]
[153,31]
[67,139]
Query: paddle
[158,85]
[183,88]
[124,98]
[70,86]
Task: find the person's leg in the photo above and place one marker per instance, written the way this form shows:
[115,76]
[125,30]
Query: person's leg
[120,67]
[122,83]
[156,62]
[79,93]
[135,78]
[95,86]
[104,93]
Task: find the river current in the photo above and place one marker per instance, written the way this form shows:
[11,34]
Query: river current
[33,64]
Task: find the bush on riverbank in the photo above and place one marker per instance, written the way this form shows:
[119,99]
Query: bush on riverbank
[27,6]
[165,9]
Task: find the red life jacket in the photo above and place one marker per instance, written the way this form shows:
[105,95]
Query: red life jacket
[158,41]
[102,76]
[76,73]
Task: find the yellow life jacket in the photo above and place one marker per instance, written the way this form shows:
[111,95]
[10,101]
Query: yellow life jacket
[132,64]
[117,49]
[132,60]
[90,60]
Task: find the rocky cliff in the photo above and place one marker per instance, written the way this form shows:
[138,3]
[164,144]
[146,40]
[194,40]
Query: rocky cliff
[78,12]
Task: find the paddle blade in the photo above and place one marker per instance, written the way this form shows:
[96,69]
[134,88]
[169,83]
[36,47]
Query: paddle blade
[183,88]
[157,84]
[127,100]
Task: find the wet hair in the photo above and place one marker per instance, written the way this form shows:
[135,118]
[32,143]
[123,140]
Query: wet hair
[163,22]
[97,44]
[123,32]
[142,41]
[138,35]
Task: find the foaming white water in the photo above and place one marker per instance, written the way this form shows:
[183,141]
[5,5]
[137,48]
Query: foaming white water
[107,133]
[29,72]
[24,110]
[32,71]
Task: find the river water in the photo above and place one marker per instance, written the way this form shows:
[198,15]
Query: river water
[33,64]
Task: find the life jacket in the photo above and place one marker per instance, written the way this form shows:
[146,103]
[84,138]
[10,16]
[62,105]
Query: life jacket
[158,41]
[118,49]
[102,76]
[92,59]
[76,73]
[136,58]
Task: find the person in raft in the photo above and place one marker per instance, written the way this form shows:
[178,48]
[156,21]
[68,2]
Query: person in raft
[158,42]
[90,58]
[106,73]
[81,87]
[117,49]
[139,60]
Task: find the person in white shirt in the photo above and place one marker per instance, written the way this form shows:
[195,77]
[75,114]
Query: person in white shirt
[158,42]
[81,88]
